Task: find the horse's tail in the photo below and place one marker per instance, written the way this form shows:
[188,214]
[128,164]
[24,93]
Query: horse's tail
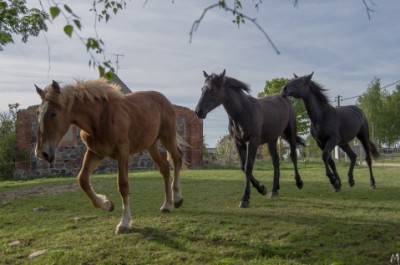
[374,151]
[372,147]
[300,141]
[181,142]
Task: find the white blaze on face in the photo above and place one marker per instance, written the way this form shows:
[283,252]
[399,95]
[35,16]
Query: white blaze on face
[42,111]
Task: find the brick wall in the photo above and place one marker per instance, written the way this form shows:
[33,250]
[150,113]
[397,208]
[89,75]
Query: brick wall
[71,149]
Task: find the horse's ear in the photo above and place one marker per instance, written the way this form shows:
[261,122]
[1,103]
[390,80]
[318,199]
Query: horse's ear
[56,87]
[295,76]
[223,73]
[308,77]
[205,74]
[39,91]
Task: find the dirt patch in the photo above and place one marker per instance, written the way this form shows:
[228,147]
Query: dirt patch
[11,195]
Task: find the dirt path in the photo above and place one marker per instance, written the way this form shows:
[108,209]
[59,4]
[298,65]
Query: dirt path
[11,195]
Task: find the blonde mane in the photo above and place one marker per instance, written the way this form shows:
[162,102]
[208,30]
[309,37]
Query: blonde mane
[92,90]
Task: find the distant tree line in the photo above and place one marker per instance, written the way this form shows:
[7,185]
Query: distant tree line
[382,109]
[8,142]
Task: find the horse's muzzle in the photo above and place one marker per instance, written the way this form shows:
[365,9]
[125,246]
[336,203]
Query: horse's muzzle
[200,113]
[46,154]
[284,92]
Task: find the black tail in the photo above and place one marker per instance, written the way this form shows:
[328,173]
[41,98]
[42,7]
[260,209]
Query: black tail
[374,151]
[300,141]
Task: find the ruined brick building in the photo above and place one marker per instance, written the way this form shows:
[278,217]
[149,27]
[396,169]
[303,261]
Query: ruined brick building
[71,149]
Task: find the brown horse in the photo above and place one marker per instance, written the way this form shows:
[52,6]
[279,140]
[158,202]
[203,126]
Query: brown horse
[112,125]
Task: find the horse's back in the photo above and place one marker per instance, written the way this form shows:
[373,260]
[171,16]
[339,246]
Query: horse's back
[148,97]
[352,121]
[277,114]
[276,106]
[152,116]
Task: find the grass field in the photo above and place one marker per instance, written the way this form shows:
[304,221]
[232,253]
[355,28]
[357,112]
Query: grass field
[309,226]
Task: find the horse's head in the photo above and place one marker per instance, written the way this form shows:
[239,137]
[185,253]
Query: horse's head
[53,121]
[211,95]
[298,87]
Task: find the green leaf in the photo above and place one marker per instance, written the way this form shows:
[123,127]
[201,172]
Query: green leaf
[101,70]
[77,24]
[54,12]
[68,29]
[69,10]
[108,75]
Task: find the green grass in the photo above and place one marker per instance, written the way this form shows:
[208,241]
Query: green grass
[309,226]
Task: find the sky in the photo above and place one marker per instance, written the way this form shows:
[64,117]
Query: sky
[335,39]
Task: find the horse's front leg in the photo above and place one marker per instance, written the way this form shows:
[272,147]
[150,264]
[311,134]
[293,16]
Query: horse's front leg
[123,188]
[248,170]
[90,162]
[163,167]
[329,163]
[275,161]
[242,150]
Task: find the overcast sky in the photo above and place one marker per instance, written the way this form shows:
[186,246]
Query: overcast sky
[333,38]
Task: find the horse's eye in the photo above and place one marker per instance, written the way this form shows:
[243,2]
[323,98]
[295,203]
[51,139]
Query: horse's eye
[53,114]
[37,113]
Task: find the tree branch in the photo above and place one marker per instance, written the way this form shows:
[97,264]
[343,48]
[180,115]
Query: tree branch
[369,10]
[197,22]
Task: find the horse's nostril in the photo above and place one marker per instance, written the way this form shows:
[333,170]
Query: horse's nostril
[45,155]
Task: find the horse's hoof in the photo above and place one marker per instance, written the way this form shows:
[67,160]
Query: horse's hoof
[373,186]
[111,208]
[273,194]
[263,190]
[351,183]
[300,184]
[122,230]
[178,203]
[337,189]
[337,185]
[165,210]
[244,204]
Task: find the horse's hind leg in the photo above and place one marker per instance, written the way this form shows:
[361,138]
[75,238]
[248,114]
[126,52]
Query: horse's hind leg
[275,161]
[163,167]
[176,154]
[352,156]
[90,162]
[293,155]
[365,144]
[123,188]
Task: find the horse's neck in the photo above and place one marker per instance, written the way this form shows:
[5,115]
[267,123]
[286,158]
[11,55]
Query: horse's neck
[236,104]
[85,117]
[315,108]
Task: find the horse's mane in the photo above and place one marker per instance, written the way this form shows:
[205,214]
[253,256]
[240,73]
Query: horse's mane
[236,84]
[92,90]
[319,92]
